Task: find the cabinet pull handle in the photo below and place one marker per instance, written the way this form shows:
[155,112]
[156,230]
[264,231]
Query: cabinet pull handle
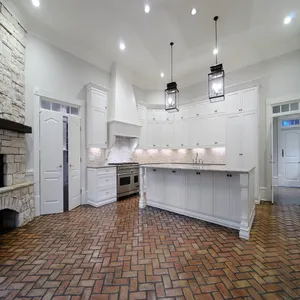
[181,144]
[241,154]
[282,152]
[216,143]
[197,115]
[154,170]
[197,144]
[173,171]
[216,111]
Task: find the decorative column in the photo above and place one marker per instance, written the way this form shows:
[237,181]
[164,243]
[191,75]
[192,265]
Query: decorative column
[244,227]
[143,202]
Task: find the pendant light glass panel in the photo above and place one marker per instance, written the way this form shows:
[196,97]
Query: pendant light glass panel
[172,97]
[216,86]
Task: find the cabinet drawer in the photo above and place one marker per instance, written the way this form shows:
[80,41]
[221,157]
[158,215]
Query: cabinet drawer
[103,171]
[107,193]
[106,181]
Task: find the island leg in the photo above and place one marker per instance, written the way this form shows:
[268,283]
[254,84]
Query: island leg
[143,202]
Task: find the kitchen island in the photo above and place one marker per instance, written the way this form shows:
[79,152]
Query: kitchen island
[213,193]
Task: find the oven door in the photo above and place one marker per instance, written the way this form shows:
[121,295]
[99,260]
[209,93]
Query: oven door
[124,183]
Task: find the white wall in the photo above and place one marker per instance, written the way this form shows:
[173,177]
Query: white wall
[277,77]
[59,73]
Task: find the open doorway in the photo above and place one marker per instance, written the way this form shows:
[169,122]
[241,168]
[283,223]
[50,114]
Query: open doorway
[286,159]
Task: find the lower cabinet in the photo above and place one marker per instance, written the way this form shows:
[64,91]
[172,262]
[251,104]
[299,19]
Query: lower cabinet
[215,196]
[200,192]
[227,199]
[102,186]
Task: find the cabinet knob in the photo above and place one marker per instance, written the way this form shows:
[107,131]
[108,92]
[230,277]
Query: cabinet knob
[154,170]
[216,143]
[216,111]
[173,171]
[181,144]
[197,115]
[241,154]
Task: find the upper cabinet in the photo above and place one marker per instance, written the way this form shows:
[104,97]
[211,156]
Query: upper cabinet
[242,101]
[96,116]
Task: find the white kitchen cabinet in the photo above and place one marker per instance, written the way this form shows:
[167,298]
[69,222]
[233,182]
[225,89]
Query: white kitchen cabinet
[216,131]
[174,183]
[154,139]
[96,116]
[241,140]
[217,107]
[167,131]
[142,112]
[155,176]
[102,186]
[200,192]
[242,101]
[180,135]
[227,194]
[143,143]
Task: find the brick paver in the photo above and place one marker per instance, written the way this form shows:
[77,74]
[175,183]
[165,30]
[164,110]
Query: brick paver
[121,252]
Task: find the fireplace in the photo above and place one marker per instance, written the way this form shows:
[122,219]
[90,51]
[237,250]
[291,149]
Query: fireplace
[8,220]
[1,170]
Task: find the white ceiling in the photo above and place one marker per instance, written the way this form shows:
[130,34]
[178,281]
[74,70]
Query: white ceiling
[250,31]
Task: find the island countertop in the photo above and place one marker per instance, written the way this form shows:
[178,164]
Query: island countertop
[198,167]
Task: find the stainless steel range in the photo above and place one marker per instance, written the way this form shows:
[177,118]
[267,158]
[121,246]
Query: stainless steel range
[128,178]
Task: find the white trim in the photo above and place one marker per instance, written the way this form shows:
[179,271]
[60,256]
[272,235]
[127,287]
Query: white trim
[263,194]
[95,86]
[211,219]
[99,204]
[245,232]
[38,93]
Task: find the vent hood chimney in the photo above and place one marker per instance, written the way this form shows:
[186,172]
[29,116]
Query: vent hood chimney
[123,120]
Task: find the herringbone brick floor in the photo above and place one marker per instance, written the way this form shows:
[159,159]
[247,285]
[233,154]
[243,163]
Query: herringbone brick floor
[120,252]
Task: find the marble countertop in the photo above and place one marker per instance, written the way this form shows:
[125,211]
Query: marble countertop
[198,167]
[101,167]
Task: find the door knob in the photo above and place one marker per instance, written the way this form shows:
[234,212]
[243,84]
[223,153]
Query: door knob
[71,166]
[60,166]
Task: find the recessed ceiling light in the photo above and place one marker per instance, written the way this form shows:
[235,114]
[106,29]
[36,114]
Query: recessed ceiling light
[194,11]
[122,46]
[36,3]
[287,20]
[147,9]
[216,51]
[162,75]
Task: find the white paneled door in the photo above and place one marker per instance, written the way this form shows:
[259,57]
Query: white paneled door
[74,162]
[51,155]
[289,157]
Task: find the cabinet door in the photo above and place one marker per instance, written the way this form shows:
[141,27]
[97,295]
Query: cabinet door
[249,99]
[97,131]
[174,187]
[217,107]
[206,188]
[221,195]
[154,135]
[142,111]
[202,132]
[154,184]
[202,109]
[193,202]
[233,141]
[233,103]
[192,132]
[193,110]
[167,134]
[249,127]
[143,137]
[235,198]
[216,130]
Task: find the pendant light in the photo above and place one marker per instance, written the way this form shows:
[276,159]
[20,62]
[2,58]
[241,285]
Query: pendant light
[216,85]
[172,92]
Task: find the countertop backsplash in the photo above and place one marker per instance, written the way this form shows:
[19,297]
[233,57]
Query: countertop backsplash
[209,156]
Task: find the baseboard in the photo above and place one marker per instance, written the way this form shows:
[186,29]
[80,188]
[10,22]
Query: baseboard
[37,205]
[257,201]
[246,231]
[99,204]
[263,194]
[211,219]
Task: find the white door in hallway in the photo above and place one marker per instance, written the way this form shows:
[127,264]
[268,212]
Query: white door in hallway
[74,162]
[51,155]
[289,157]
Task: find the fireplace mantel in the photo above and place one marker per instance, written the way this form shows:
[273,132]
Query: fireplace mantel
[14,126]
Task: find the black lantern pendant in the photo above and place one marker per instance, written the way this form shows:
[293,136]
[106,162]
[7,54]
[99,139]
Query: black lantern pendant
[216,84]
[172,92]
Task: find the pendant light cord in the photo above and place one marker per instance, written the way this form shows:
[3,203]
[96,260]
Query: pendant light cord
[172,44]
[216,35]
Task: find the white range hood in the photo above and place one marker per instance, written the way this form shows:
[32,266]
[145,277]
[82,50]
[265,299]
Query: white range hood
[123,120]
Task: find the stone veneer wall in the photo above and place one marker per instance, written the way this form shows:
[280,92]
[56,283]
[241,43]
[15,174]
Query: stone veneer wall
[17,195]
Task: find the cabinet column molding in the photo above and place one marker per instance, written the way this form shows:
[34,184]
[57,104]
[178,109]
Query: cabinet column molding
[143,201]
